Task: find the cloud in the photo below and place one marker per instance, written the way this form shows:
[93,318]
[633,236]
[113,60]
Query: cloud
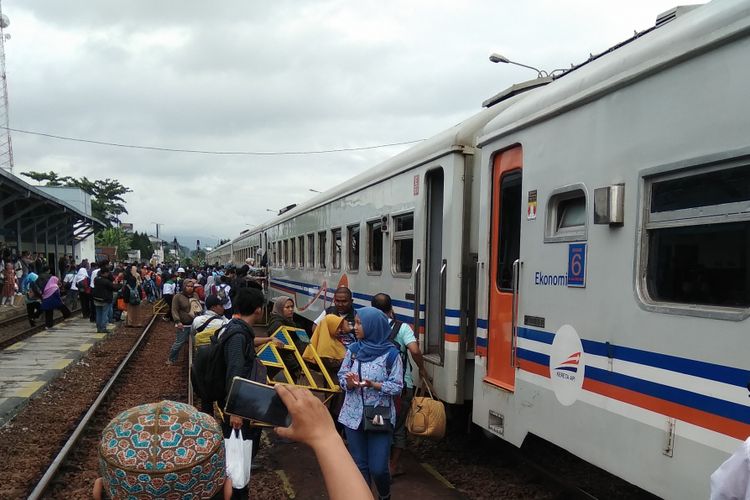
[279,76]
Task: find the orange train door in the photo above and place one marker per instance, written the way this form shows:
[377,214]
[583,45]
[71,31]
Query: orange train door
[505,242]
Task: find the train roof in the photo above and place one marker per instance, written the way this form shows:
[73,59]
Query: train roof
[689,34]
[462,137]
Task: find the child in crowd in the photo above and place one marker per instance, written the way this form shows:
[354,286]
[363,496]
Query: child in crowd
[10,284]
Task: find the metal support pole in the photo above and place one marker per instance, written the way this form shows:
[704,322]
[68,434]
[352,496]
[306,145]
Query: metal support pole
[18,236]
[57,258]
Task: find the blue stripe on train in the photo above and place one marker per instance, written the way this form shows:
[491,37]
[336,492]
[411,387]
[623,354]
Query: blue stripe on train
[701,369]
[683,397]
[452,313]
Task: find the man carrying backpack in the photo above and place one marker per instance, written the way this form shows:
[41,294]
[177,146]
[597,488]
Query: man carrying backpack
[184,312]
[224,292]
[238,340]
[403,336]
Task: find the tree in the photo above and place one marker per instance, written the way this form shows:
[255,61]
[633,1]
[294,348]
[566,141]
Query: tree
[107,202]
[141,242]
[115,237]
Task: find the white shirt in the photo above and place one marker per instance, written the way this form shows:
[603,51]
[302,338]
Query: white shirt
[70,278]
[94,274]
[731,481]
[82,274]
[226,289]
[168,288]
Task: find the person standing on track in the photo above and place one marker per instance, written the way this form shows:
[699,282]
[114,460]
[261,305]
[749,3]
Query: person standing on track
[343,305]
[183,312]
[51,299]
[239,339]
[371,375]
[167,294]
[403,337]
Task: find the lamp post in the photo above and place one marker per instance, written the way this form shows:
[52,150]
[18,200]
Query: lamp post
[497,58]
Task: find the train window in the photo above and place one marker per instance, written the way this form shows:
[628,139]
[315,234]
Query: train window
[311,250]
[566,215]
[301,249]
[375,246]
[509,243]
[403,244]
[697,242]
[292,252]
[285,244]
[352,256]
[336,248]
[322,249]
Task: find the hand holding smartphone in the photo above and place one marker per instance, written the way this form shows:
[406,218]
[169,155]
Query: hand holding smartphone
[256,402]
[352,380]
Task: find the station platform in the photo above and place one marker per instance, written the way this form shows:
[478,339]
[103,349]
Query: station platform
[27,366]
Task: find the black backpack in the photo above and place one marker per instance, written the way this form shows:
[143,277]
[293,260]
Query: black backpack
[209,371]
[404,355]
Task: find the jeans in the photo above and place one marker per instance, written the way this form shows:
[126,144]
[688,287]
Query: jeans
[101,316]
[111,313]
[182,338]
[371,452]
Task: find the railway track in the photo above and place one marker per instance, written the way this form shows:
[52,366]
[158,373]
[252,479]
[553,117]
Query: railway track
[52,471]
[15,329]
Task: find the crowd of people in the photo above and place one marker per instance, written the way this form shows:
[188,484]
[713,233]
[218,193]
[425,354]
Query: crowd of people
[367,350]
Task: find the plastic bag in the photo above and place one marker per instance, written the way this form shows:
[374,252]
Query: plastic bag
[239,459]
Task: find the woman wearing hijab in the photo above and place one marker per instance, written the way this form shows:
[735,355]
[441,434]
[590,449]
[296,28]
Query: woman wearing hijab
[325,341]
[132,294]
[371,374]
[51,300]
[283,315]
[32,296]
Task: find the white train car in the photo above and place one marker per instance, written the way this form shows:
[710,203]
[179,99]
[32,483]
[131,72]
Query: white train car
[614,256]
[247,246]
[576,256]
[399,228]
[222,254]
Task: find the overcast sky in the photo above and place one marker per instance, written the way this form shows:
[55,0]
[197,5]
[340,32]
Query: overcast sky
[268,76]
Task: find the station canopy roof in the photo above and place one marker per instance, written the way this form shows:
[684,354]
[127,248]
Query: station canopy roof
[25,209]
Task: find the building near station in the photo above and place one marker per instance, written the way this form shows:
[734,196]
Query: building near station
[55,221]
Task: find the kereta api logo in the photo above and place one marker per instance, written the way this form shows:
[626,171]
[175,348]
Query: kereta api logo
[567,365]
[570,364]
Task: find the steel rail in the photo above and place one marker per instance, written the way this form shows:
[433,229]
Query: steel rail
[60,458]
[28,332]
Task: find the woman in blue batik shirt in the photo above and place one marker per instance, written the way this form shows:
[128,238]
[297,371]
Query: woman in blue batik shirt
[371,374]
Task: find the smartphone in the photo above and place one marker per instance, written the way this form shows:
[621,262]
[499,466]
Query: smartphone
[257,402]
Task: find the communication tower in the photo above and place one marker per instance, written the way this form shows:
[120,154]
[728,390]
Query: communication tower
[6,148]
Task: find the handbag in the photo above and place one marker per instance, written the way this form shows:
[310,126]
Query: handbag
[374,418]
[426,416]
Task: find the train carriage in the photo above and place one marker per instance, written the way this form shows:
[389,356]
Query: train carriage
[617,239]
[401,228]
[576,256]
